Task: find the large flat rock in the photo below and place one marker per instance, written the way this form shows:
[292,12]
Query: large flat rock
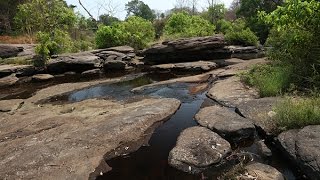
[7,51]
[187,66]
[226,123]
[231,91]
[303,148]
[19,70]
[71,141]
[197,149]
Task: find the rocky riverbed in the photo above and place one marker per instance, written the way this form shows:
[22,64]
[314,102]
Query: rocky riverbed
[106,114]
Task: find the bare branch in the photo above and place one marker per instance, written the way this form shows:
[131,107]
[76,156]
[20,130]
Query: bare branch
[86,10]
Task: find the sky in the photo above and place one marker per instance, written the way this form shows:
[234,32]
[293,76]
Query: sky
[98,7]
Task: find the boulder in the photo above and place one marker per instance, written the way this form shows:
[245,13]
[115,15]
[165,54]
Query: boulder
[71,141]
[187,66]
[226,123]
[77,62]
[8,81]
[198,149]
[19,70]
[187,49]
[246,53]
[261,172]
[42,77]
[263,149]
[114,65]
[302,146]
[7,51]
[231,91]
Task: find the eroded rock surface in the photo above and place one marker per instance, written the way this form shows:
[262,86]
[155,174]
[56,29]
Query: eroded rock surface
[19,70]
[197,149]
[70,141]
[226,123]
[188,66]
[261,172]
[302,147]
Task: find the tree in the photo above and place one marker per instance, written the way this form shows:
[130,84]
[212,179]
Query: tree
[8,9]
[140,9]
[215,13]
[107,20]
[44,15]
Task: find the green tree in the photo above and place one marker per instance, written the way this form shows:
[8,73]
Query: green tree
[295,40]
[135,31]
[140,9]
[215,13]
[107,20]
[44,15]
[249,10]
[185,25]
[239,34]
[8,9]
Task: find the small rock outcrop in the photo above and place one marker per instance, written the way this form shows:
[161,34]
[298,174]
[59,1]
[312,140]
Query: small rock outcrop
[19,70]
[8,81]
[226,123]
[197,149]
[261,172]
[246,53]
[200,66]
[7,51]
[302,147]
[42,77]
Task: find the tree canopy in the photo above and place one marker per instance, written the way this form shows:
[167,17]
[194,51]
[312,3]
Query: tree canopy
[139,9]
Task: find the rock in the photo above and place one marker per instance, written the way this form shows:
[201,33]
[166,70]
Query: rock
[10,105]
[111,55]
[114,65]
[187,49]
[121,49]
[39,142]
[226,123]
[7,51]
[231,91]
[197,149]
[264,150]
[188,66]
[92,72]
[42,77]
[302,147]
[260,112]
[261,172]
[77,62]
[19,70]
[246,53]
[8,81]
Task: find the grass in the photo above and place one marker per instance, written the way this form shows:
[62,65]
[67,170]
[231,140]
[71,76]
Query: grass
[16,61]
[22,39]
[269,80]
[296,113]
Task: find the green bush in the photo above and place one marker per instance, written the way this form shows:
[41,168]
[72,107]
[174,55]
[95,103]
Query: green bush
[297,113]
[223,26]
[135,32]
[239,34]
[269,80]
[295,40]
[184,25]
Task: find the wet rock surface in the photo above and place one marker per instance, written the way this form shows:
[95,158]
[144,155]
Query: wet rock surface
[226,123]
[188,66]
[70,141]
[261,172]
[197,149]
[302,147]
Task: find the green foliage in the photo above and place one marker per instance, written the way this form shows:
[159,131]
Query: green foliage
[107,20]
[50,44]
[8,9]
[140,9]
[185,25]
[295,40]
[135,31]
[249,10]
[44,15]
[223,26]
[238,34]
[269,80]
[215,13]
[297,113]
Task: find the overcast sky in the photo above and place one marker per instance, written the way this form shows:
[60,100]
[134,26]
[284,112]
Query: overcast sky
[98,7]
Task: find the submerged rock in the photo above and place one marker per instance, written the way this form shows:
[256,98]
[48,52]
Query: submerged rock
[187,66]
[197,149]
[70,141]
[302,147]
[261,172]
[226,123]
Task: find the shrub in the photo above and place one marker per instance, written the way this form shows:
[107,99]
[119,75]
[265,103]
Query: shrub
[184,25]
[295,40]
[239,34]
[297,113]
[135,32]
[270,80]
[223,26]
